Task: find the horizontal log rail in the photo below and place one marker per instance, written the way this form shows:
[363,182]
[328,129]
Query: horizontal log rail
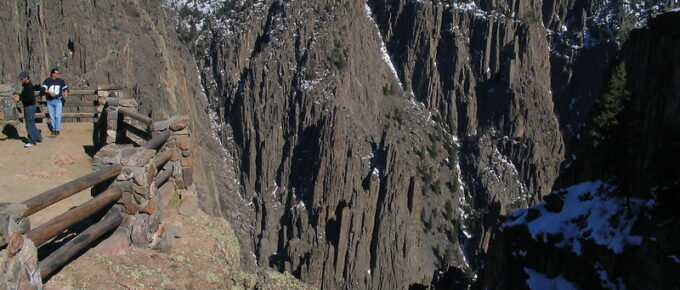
[158,140]
[68,251]
[134,115]
[63,115]
[75,92]
[115,102]
[69,103]
[162,158]
[48,230]
[65,190]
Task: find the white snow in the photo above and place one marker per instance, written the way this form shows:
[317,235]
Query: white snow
[383,49]
[539,281]
[675,258]
[589,214]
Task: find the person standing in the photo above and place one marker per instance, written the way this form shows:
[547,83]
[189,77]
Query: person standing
[27,97]
[56,90]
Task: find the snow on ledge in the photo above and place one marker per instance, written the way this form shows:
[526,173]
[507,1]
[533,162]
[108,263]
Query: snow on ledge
[589,213]
[383,48]
[539,281]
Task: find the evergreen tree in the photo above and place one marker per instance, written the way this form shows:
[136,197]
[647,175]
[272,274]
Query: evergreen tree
[608,114]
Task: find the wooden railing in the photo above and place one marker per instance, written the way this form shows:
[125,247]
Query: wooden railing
[53,227]
[80,105]
[156,169]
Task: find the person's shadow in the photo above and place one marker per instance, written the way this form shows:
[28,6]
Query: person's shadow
[11,132]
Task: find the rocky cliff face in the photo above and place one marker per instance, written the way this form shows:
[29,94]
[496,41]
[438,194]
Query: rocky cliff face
[379,142]
[597,235]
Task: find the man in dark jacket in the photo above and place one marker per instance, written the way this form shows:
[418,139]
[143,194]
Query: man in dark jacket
[56,90]
[27,97]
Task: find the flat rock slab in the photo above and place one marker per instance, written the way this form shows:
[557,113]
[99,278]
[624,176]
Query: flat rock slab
[115,245]
[189,206]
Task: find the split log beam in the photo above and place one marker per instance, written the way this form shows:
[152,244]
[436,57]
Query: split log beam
[63,115]
[115,102]
[157,141]
[70,188]
[69,103]
[134,115]
[162,158]
[48,230]
[68,251]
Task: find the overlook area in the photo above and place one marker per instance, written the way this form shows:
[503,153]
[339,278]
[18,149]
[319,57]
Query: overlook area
[349,144]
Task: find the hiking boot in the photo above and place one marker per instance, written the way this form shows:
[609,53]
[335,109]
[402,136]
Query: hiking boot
[57,133]
[53,134]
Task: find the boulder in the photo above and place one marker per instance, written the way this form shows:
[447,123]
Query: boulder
[140,236]
[179,122]
[165,194]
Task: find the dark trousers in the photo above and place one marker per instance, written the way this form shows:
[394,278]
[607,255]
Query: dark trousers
[29,119]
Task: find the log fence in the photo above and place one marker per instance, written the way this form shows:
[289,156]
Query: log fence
[132,178]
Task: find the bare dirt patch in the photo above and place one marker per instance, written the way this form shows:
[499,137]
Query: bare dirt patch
[27,172]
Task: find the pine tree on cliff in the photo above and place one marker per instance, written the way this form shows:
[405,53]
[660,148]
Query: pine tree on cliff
[608,113]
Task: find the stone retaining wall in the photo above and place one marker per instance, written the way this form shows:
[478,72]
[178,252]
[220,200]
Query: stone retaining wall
[19,259]
[144,201]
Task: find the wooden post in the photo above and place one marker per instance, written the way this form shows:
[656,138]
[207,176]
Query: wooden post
[66,252]
[157,141]
[134,115]
[65,190]
[58,224]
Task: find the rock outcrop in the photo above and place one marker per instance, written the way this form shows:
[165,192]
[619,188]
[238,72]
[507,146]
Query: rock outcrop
[629,238]
[373,154]
[379,142]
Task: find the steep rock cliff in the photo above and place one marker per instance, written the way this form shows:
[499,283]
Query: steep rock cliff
[622,234]
[346,133]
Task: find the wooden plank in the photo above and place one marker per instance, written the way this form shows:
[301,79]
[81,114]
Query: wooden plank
[134,115]
[70,188]
[48,230]
[63,115]
[157,141]
[68,251]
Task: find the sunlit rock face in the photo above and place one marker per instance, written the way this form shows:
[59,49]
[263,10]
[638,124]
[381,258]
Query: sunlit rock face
[377,143]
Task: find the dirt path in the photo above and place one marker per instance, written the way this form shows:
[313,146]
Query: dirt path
[26,172]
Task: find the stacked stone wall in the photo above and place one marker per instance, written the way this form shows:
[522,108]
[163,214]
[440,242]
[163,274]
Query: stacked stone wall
[148,184]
